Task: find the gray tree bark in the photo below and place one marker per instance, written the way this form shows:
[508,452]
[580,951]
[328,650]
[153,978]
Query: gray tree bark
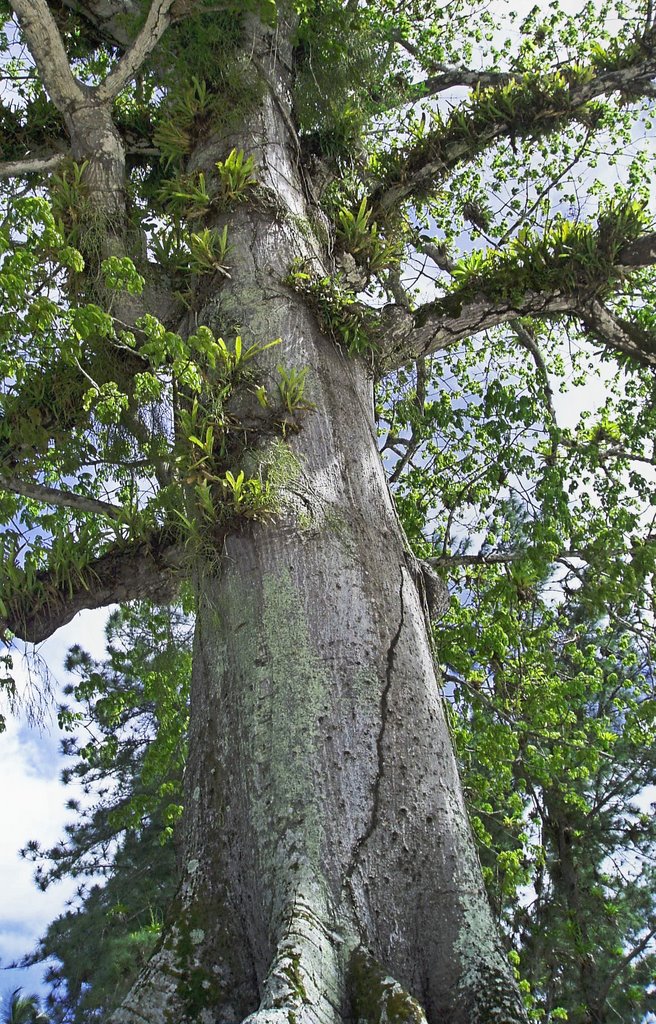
[328,870]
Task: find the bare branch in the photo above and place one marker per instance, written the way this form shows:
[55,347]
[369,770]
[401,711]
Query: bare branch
[31,165]
[415,439]
[494,558]
[625,962]
[145,569]
[452,78]
[156,23]
[60,499]
[444,77]
[46,46]
[437,252]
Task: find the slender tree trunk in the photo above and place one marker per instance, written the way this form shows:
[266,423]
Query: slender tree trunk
[329,872]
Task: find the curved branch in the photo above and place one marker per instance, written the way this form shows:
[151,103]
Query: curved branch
[621,335]
[47,48]
[143,569]
[157,21]
[527,340]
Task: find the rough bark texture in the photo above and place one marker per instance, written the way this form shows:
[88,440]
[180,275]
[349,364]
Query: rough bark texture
[328,869]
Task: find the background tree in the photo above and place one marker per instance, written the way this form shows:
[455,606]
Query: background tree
[126,746]
[302,193]
[557,749]
[21,1009]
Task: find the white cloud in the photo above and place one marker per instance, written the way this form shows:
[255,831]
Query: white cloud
[33,807]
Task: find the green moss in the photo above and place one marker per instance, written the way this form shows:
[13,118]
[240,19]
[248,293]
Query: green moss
[336,523]
[198,991]
[320,229]
[303,225]
[197,988]
[377,998]
[293,974]
[304,521]
[283,696]
[280,465]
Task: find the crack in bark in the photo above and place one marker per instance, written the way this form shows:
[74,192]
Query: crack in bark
[380,739]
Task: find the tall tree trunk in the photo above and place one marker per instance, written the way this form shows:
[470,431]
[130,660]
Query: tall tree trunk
[329,872]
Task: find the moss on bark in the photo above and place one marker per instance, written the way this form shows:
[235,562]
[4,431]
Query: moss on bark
[378,998]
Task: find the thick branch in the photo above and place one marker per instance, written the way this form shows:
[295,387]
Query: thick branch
[34,165]
[620,335]
[455,78]
[452,78]
[145,569]
[109,22]
[57,498]
[404,336]
[535,108]
[641,252]
[106,21]
[156,23]
[46,46]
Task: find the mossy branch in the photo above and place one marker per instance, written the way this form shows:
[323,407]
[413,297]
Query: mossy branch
[377,997]
[526,106]
[568,271]
[125,572]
